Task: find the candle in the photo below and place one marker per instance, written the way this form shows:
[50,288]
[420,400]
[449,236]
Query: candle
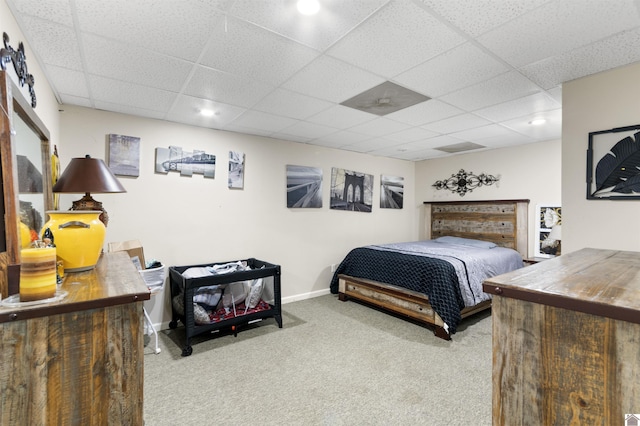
[37,273]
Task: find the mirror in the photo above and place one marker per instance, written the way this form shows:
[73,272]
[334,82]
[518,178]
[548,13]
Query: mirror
[26,179]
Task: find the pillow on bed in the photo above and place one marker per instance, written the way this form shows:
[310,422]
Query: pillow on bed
[466,242]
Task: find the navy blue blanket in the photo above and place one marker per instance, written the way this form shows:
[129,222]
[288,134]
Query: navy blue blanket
[434,277]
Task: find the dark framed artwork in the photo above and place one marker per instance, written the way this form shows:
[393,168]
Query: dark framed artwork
[391,192]
[304,187]
[613,164]
[351,190]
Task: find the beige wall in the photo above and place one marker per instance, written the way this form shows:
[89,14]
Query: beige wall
[190,220]
[526,172]
[599,102]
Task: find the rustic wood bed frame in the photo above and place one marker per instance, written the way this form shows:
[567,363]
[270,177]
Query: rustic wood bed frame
[503,222]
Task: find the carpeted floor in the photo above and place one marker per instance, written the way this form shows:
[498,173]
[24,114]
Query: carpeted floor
[332,363]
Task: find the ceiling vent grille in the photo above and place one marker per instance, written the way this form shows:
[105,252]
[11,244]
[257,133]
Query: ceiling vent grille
[384,99]
[460,147]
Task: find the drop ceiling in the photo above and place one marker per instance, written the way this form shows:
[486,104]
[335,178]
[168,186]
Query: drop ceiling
[489,67]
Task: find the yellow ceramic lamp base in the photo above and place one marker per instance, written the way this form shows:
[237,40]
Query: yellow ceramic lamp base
[37,273]
[78,236]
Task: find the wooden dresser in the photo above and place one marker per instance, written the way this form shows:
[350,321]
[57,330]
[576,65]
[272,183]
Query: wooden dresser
[78,361]
[566,340]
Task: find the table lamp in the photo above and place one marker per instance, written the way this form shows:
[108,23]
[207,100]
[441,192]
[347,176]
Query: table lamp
[86,175]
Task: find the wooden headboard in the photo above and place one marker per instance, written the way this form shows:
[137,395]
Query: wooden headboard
[504,222]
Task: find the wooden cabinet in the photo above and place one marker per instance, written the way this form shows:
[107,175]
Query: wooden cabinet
[78,361]
[566,340]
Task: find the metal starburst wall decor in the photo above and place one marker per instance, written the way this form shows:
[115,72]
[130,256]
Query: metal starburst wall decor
[463,182]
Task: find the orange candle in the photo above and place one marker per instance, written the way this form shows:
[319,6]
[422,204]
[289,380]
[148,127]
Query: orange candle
[37,273]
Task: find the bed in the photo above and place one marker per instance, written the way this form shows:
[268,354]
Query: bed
[438,280]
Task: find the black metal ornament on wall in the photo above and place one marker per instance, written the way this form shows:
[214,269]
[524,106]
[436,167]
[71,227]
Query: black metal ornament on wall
[9,54]
[463,182]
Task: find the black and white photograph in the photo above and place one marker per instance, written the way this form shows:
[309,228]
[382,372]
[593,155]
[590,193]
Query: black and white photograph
[304,187]
[351,190]
[548,231]
[124,155]
[174,159]
[236,170]
[391,192]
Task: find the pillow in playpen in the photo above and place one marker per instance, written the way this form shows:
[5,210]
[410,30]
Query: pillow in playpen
[255,293]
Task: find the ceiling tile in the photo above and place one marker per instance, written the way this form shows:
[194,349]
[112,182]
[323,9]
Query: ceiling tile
[261,120]
[411,134]
[478,133]
[133,64]
[425,112]
[291,104]
[341,138]
[369,145]
[505,87]
[179,28]
[479,16]
[501,141]
[379,127]
[334,19]
[455,69]
[76,100]
[431,143]
[620,49]
[45,34]
[245,49]
[129,110]
[58,11]
[69,82]
[341,117]
[127,94]
[308,130]
[226,88]
[568,24]
[549,130]
[186,109]
[457,123]
[332,80]
[519,107]
[399,36]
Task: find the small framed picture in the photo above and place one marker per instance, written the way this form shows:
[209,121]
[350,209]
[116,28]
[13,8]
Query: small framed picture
[124,155]
[548,231]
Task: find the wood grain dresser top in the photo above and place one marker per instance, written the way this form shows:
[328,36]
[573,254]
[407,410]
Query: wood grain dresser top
[594,281]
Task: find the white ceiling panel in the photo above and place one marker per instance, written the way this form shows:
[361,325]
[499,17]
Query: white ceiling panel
[226,88]
[460,67]
[538,102]
[567,24]
[402,35]
[505,87]
[490,66]
[479,16]
[457,123]
[292,104]
[248,50]
[335,18]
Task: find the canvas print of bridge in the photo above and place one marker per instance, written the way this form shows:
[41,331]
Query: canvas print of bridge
[304,187]
[351,190]
[391,192]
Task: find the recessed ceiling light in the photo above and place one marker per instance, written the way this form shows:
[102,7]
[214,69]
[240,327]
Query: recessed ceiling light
[207,112]
[537,121]
[308,7]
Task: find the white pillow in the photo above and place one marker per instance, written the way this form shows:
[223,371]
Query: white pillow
[255,293]
[466,242]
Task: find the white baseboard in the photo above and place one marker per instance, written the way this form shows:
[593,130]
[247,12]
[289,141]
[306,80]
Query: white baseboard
[298,297]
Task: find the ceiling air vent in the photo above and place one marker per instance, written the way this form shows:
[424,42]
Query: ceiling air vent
[460,147]
[384,99]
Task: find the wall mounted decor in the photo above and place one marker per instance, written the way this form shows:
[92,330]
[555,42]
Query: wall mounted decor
[391,192]
[616,174]
[236,170]
[304,187]
[548,230]
[19,60]
[351,190]
[174,159]
[124,155]
[463,182]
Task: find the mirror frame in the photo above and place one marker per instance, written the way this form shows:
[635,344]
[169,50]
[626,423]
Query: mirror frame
[13,101]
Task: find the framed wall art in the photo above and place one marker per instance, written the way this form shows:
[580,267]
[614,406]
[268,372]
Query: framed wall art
[613,164]
[304,187]
[548,231]
[351,190]
[124,155]
[391,192]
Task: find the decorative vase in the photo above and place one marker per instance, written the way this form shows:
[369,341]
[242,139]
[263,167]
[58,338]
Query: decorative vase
[78,236]
[37,273]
